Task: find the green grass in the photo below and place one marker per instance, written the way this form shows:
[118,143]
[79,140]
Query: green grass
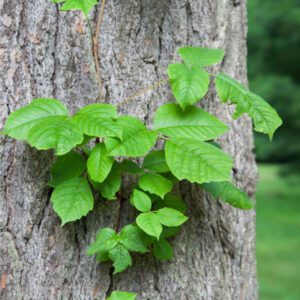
[278,234]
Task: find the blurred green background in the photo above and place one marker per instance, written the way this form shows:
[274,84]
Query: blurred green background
[274,73]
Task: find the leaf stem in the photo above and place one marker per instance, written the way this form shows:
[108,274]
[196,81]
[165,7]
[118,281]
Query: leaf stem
[96,47]
[141,92]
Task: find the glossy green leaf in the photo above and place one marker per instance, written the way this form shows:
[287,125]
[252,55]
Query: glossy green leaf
[112,184]
[188,84]
[19,122]
[265,117]
[120,257]
[99,163]
[171,217]
[197,161]
[171,201]
[137,140]
[156,162]
[133,238]
[83,5]
[72,199]
[155,184]
[193,123]
[163,250]
[200,57]
[169,232]
[149,223]
[121,296]
[227,192]
[97,120]
[66,167]
[140,201]
[55,133]
[105,240]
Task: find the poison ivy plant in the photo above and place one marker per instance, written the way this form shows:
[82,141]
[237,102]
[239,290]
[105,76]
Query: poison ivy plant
[95,147]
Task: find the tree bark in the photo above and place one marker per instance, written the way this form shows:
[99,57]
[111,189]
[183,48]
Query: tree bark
[47,53]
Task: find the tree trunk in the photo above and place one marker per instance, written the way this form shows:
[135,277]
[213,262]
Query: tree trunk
[47,53]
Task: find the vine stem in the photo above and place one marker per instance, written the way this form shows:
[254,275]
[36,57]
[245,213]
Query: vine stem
[96,47]
[141,92]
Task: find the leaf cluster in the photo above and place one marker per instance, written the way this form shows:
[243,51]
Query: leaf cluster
[189,153]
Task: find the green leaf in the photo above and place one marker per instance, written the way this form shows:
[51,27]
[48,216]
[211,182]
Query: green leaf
[21,121]
[197,161]
[105,240]
[66,167]
[111,185]
[265,117]
[83,5]
[140,201]
[169,232]
[193,123]
[156,162]
[155,184]
[149,223]
[201,57]
[97,120]
[72,199]
[121,258]
[99,163]
[55,133]
[131,167]
[171,217]
[188,84]
[229,193]
[137,139]
[171,201]
[162,250]
[133,238]
[121,296]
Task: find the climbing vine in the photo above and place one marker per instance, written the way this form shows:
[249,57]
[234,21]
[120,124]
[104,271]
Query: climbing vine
[188,153]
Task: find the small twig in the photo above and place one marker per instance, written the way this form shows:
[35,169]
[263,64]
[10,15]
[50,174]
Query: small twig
[141,92]
[118,218]
[96,47]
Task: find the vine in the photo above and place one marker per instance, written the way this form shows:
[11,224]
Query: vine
[189,153]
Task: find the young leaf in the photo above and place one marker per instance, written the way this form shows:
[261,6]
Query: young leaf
[229,193]
[193,123]
[55,133]
[162,250]
[66,167]
[83,5]
[72,199]
[121,258]
[97,120]
[197,161]
[265,118]
[171,201]
[156,162]
[155,184]
[133,238]
[99,163]
[171,217]
[137,139]
[149,223]
[140,201]
[105,240]
[200,57]
[111,185]
[21,121]
[188,84]
[121,296]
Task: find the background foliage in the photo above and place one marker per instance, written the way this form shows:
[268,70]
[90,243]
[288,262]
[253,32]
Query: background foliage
[274,73]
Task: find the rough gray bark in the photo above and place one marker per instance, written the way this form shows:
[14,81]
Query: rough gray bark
[47,53]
